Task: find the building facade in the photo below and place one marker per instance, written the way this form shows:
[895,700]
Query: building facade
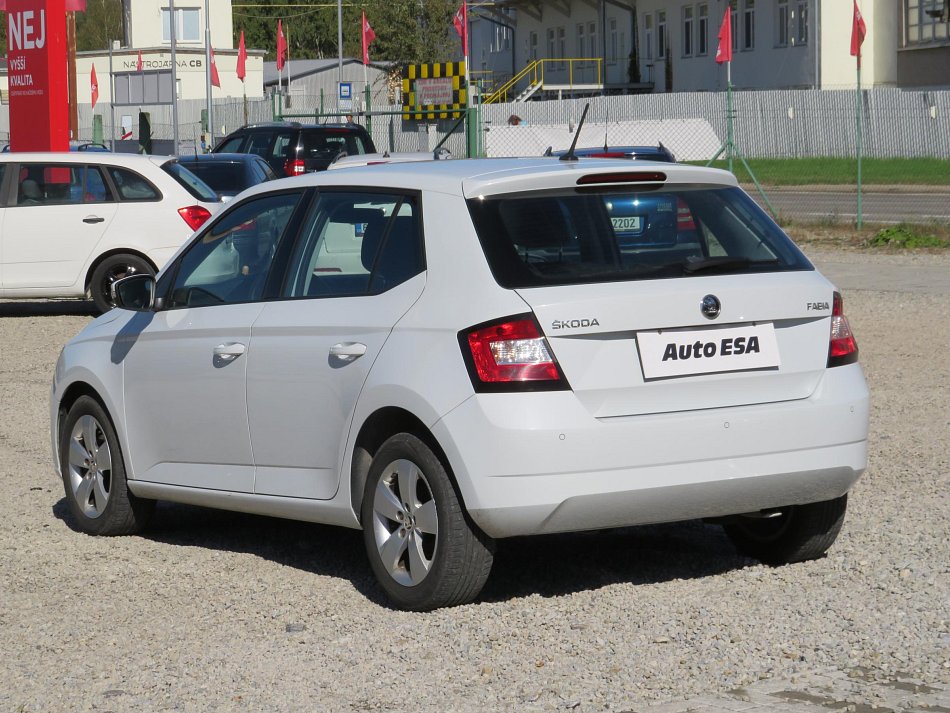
[670,45]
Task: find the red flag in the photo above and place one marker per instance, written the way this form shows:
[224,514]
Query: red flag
[215,79]
[94,86]
[138,65]
[460,23]
[724,50]
[281,46]
[859,31]
[368,37]
[242,59]
[75,5]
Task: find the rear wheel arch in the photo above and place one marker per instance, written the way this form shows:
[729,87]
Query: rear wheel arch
[117,251]
[376,430]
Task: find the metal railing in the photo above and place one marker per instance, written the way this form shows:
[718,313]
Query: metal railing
[567,72]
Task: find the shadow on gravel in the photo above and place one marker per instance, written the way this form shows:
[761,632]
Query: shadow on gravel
[48,308]
[548,565]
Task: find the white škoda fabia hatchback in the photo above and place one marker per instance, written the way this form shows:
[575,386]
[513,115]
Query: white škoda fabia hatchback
[448,353]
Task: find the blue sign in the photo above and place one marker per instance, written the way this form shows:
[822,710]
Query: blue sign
[346,90]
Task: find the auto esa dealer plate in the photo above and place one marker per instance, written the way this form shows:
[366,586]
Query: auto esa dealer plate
[669,353]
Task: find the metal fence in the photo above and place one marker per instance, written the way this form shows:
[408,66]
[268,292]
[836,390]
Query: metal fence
[801,144]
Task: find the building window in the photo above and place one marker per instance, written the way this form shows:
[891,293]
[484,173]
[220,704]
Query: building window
[612,29]
[734,24]
[580,40]
[187,25]
[702,43]
[781,24]
[748,25]
[688,31]
[593,49]
[801,23]
[661,35]
[648,37]
[533,46]
[561,42]
[552,48]
[926,21]
[137,88]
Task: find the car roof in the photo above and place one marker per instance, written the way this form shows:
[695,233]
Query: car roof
[218,157]
[129,160]
[492,176]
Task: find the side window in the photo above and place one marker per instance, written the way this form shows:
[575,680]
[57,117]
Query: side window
[356,244]
[282,146]
[230,262]
[131,186]
[258,142]
[231,145]
[95,189]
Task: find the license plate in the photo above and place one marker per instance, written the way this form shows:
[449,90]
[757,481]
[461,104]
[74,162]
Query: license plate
[671,353]
[627,224]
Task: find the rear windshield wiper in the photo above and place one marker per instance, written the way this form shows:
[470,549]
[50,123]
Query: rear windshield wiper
[720,262]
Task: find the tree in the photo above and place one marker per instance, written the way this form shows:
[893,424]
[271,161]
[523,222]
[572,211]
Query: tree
[406,30]
[98,25]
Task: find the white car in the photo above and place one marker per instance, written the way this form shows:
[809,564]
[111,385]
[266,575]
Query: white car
[448,353]
[71,224]
[375,159]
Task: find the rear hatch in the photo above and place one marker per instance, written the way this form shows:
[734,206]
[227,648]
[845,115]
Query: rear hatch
[661,298]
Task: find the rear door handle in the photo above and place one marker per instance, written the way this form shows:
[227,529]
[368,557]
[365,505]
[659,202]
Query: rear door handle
[229,352]
[348,351]
[93,219]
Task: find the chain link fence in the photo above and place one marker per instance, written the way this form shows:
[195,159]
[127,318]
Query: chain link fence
[799,144]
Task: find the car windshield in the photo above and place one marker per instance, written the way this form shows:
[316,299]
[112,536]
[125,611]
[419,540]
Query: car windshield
[190,182]
[578,236]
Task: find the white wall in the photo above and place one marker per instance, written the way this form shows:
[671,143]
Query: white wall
[146,22]
[878,53]
[191,72]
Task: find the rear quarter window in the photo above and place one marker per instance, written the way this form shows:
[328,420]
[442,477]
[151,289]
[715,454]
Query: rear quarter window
[190,182]
[578,236]
[131,186]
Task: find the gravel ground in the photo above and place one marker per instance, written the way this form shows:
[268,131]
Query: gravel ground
[217,611]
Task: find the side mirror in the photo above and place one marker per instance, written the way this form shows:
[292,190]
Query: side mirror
[135,292]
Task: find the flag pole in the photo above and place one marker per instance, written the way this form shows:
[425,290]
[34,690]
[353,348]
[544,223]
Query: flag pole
[172,20]
[111,101]
[858,111]
[730,137]
[209,105]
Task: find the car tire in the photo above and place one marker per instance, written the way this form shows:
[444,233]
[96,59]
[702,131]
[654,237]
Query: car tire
[114,268]
[797,534]
[93,473]
[422,547]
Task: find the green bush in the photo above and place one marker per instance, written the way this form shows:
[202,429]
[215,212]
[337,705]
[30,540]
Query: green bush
[906,236]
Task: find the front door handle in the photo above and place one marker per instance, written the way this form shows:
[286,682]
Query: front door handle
[229,352]
[348,351]
[93,219]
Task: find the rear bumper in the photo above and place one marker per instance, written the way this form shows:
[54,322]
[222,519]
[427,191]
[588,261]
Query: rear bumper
[539,463]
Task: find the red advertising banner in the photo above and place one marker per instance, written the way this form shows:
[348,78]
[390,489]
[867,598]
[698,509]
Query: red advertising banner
[36,71]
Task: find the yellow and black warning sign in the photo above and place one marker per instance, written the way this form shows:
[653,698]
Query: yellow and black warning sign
[433,91]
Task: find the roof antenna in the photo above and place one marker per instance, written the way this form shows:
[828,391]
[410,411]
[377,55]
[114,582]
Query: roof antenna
[569,156]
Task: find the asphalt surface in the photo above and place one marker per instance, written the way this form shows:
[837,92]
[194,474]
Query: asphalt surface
[878,206]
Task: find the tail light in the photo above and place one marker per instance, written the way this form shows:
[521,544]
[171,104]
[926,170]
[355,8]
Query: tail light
[194,215]
[510,355]
[294,167]
[684,216]
[843,348]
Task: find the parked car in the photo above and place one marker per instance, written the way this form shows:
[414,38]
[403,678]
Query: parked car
[292,148]
[73,223]
[641,153]
[375,159]
[446,353]
[74,146]
[228,173]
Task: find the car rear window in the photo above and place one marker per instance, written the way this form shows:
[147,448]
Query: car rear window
[190,182]
[577,236]
[331,142]
[223,176]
